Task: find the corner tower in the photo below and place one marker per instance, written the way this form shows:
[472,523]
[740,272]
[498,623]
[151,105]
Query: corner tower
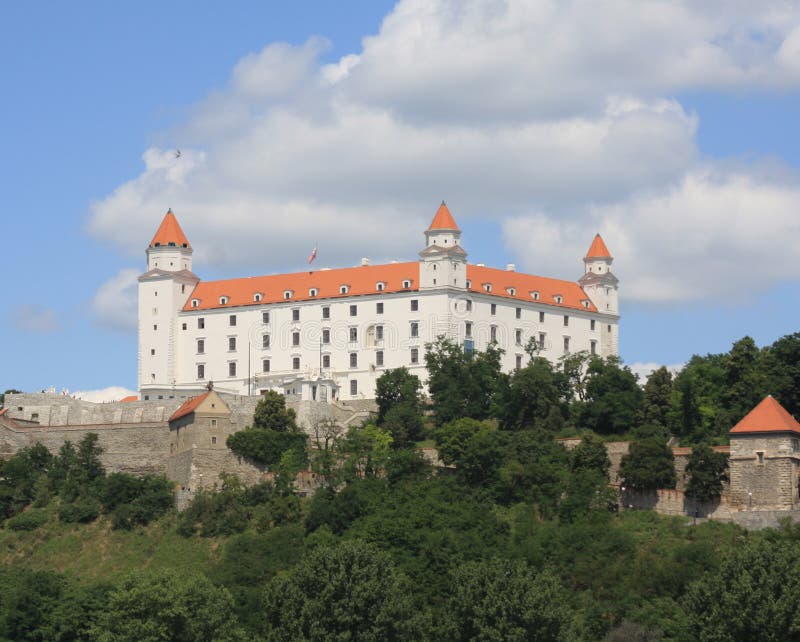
[163,290]
[598,282]
[443,262]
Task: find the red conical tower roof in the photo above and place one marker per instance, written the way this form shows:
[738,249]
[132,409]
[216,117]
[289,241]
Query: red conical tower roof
[768,416]
[598,249]
[169,233]
[443,220]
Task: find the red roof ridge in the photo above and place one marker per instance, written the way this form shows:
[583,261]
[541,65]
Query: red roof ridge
[598,249]
[767,416]
[169,233]
[443,219]
[189,406]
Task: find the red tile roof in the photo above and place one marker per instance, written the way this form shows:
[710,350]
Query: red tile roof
[363,281]
[768,416]
[129,398]
[598,249]
[443,219]
[189,406]
[169,233]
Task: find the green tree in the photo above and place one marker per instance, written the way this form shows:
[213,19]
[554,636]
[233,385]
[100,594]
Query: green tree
[533,394]
[164,607]
[351,591]
[649,465]
[755,595]
[505,600]
[396,387]
[271,413]
[657,399]
[707,471]
[462,384]
[613,397]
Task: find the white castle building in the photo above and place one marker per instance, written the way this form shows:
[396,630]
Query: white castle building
[331,333]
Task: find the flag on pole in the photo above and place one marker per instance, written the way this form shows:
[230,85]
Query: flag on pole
[313,255]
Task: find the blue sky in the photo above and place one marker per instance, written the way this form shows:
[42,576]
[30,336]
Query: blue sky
[343,133]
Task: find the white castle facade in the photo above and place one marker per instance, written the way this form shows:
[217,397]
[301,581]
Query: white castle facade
[330,333]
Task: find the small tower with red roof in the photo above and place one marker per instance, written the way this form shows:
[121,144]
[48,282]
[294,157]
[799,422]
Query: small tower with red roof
[765,459]
[443,262]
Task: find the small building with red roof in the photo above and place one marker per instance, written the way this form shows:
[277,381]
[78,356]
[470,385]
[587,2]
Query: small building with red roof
[339,329]
[765,459]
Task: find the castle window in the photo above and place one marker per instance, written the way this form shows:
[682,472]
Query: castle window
[353,387]
[591,324]
[313,292]
[231,344]
[326,312]
[326,335]
[295,338]
[354,359]
[287,294]
[414,305]
[201,371]
[535,295]
[265,365]
[406,284]
[295,363]
[344,289]
[296,314]
[201,346]
[231,368]
[493,334]
[353,335]
[379,358]
[380,286]
[414,355]
[519,313]
[223,300]
[379,307]
[201,323]
[257,297]
[265,342]
[232,320]
[414,329]
[195,302]
[326,361]
[353,310]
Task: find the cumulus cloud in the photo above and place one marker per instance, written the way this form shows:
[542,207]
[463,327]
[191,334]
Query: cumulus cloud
[554,118]
[112,393]
[115,303]
[35,318]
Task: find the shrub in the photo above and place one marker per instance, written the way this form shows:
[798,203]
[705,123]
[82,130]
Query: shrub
[28,521]
[81,511]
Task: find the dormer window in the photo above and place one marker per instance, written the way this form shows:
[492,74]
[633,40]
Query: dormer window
[558,298]
[487,287]
[195,302]
[258,297]
[344,289]
[380,286]
[511,291]
[406,284]
[223,300]
[313,292]
[287,294]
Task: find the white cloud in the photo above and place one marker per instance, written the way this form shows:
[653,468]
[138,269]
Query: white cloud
[115,303]
[112,393]
[554,118]
[35,318]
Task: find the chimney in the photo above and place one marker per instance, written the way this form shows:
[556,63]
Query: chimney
[511,267]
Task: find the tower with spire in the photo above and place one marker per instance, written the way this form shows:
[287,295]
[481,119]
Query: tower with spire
[163,291]
[443,262]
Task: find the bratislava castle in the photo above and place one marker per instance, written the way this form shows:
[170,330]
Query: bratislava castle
[330,333]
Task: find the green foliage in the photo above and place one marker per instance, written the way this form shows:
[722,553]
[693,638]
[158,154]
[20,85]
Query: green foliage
[505,600]
[266,446]
[165,607]
[30,520]
[755,595]
[461,384]
[707,471]
[648,465]
[350,591]
[271,413]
